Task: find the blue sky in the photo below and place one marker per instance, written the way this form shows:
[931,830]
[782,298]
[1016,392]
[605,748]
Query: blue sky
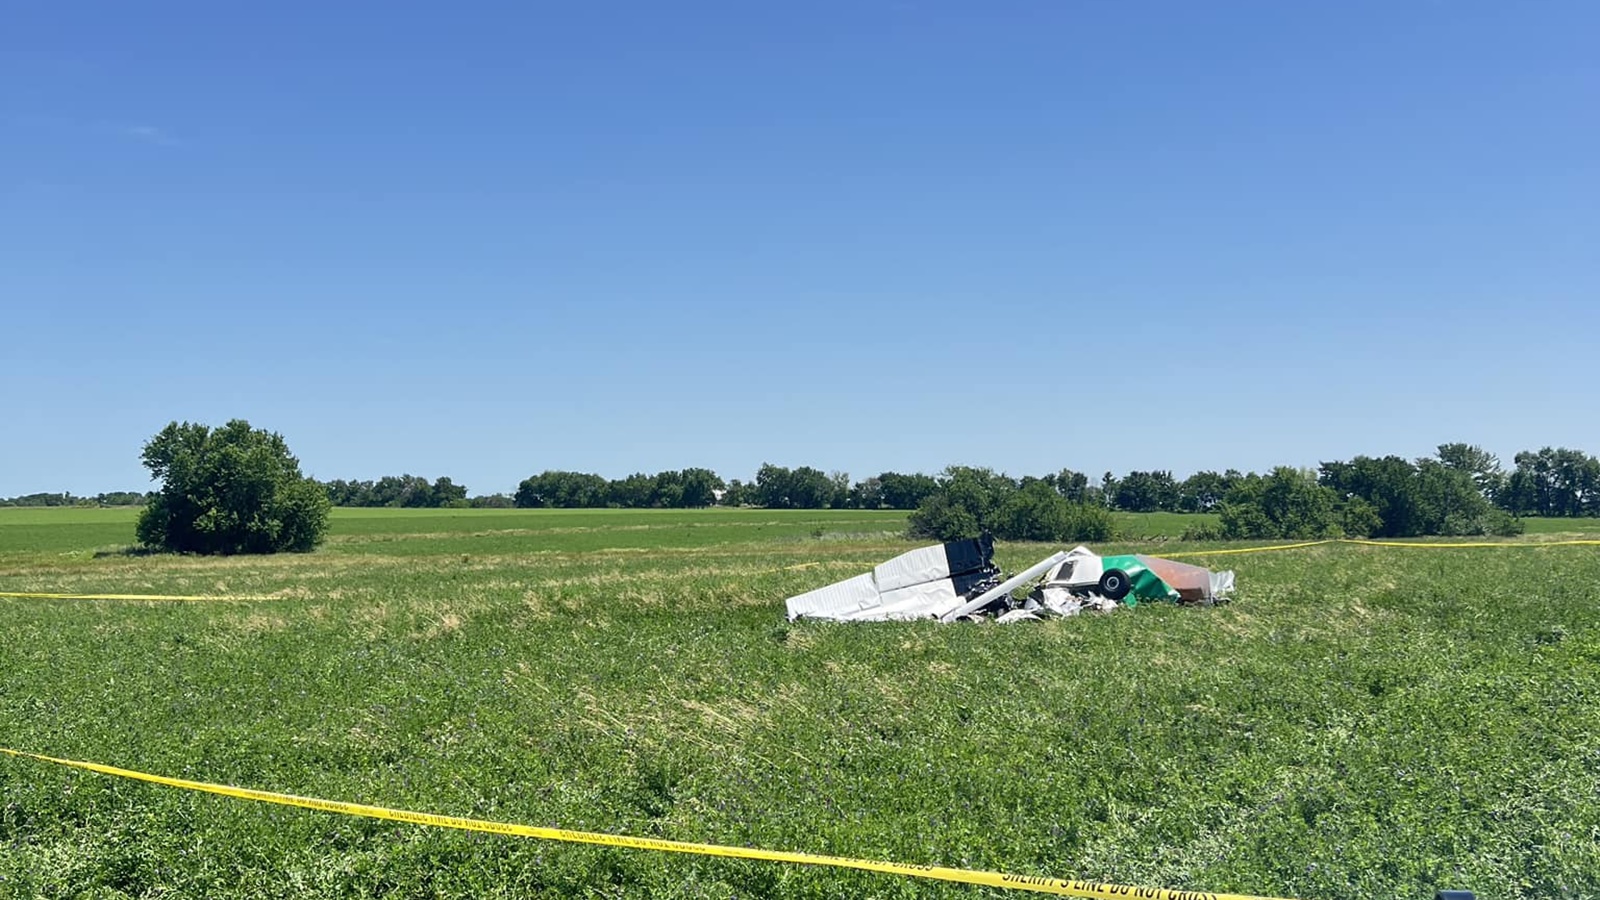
[484,240]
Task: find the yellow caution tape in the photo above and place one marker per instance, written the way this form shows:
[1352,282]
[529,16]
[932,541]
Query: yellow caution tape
[1035,883]
[1425,545]
[1250,549]
[174,597]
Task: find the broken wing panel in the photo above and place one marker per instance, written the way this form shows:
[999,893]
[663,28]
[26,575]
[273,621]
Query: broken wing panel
[933,563]
[919,601]
[842,599]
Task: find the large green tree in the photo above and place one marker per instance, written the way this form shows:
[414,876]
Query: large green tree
[233,489]
[972,500]
[1483,466]
[1429,496]
[1288,503]
[1553,482]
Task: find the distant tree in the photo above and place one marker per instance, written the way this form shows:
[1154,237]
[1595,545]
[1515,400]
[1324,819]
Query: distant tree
[408,491]
[906,491]
[349,493]
[1108,489]
[1073,486]
[772,486]
[1450,500]
[1413,498]
[963,505]
[563,490]
[941,519]
[44,499]
[633,492]
[1147,492]
[491,501]
[1288,503]
[700,487]
[811,489]
[738,494]
[1389,484]
[233,489]
[446,492]
[1036,511]
[839,493]
[1359,519]
[1481,465]
[1553,482]
[120,498]
[980,490]
[666,491]
[866,494]
[971,500]
[802,488]
[1202,491]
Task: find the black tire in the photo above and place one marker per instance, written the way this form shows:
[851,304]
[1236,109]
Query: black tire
[1114,584]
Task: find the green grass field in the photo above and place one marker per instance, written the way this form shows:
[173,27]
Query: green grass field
[1358,723]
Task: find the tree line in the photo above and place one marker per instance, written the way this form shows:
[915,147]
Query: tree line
[1552,482]
[237,489]
[1462,490]
[405,491]
[1549,482]
[774,487]
[110,498]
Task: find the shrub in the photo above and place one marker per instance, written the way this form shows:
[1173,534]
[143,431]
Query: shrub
[1288,503]
[1502,524]
[235,489]
[1245,520]
[974,501]
[1496,522]
[942,519]
[1360,518]
[1039,513]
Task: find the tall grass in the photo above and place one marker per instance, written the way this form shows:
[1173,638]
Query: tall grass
[1359,722]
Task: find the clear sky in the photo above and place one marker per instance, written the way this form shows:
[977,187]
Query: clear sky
[486,240]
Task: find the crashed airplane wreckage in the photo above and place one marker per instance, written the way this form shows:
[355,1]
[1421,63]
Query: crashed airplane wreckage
[959,580]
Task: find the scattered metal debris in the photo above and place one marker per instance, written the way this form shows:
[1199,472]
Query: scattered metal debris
[959,580]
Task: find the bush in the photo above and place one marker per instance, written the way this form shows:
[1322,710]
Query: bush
[235,489]
[1038,513]
[1245,520]
[1500,523]
[1496,522]
[1288,503]
[963,504]
[1035,512]
[942,519]
[1359,518]
[1091,522]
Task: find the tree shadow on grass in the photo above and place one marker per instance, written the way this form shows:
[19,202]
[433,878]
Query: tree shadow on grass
[129,550]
